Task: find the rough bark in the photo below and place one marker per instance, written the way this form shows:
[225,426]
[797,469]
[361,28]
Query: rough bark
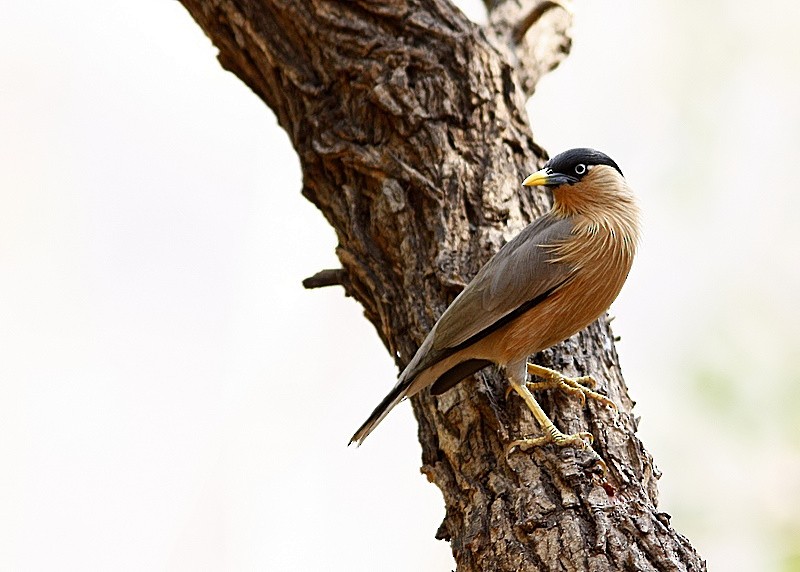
[410,126]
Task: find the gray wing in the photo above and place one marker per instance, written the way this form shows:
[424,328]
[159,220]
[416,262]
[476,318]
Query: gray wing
[517,275]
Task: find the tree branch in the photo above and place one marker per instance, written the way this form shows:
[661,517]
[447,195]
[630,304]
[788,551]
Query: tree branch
[410,126]
[535,36]
[323,278]
[534,14]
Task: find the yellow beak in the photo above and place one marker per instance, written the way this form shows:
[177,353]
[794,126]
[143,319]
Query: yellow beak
[540,177]
[548,178]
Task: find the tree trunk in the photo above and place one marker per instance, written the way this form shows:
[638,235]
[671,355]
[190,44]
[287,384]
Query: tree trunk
[410,125]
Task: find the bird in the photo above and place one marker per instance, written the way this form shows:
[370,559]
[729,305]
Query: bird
[556,277]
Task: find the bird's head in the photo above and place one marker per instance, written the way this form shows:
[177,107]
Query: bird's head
[582,180]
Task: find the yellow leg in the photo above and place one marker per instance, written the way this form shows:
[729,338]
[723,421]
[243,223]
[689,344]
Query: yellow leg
[573,385]
[551,433]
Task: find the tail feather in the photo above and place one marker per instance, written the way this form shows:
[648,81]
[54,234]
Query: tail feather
[395,396]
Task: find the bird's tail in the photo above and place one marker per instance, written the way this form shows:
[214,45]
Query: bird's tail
[395,396]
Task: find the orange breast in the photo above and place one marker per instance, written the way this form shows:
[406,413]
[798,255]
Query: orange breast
[602,260]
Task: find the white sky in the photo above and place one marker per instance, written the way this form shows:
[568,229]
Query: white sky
[171,398]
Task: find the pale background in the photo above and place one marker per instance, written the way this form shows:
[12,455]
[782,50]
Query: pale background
[172,399]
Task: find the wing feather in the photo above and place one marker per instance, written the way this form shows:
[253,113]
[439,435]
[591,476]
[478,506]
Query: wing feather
[516,275]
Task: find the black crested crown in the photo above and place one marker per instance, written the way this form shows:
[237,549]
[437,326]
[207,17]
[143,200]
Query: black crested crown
[567,161]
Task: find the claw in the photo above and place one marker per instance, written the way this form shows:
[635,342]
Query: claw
[556,437]
[578,386]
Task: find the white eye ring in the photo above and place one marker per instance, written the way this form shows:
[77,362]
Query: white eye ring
[580,168]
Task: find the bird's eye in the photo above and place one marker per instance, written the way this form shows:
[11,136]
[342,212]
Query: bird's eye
[580,168]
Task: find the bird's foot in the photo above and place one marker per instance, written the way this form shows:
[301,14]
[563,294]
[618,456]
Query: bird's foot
[582,440]
[579,386]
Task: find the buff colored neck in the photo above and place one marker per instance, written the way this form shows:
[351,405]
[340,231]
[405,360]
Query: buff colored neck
[601,202]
